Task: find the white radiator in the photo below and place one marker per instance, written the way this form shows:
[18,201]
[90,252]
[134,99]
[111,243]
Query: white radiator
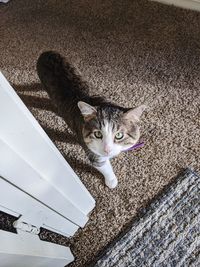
[37,186]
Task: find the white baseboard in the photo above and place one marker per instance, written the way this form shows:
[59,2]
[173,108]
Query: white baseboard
[189,4]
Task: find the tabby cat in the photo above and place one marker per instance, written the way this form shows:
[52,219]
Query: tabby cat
[102,128]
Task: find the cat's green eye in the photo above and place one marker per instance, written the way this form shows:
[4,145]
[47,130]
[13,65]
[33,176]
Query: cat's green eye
[119,136]
[98,134]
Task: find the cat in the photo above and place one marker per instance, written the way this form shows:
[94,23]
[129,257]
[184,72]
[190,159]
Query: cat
[103,129]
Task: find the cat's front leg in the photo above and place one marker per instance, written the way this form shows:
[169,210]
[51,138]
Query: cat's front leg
[106,169]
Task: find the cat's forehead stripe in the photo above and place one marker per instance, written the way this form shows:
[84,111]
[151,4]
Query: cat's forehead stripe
[107,125]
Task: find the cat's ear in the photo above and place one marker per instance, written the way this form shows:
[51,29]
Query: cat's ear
[87,111]
[135,113]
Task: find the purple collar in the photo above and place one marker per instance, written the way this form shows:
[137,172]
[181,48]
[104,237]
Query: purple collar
[138,145]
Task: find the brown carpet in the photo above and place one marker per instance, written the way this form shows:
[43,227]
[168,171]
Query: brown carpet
[131,52]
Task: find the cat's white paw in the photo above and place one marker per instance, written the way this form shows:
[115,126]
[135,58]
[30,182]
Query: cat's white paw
[111,183]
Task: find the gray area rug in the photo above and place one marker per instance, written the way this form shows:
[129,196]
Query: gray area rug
[168,233]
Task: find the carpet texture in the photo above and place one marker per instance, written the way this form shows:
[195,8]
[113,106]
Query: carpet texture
[131,52]
[168,233]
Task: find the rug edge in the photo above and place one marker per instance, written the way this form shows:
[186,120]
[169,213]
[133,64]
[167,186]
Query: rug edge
[141,212]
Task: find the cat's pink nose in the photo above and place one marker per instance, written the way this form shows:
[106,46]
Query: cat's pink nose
[107,149]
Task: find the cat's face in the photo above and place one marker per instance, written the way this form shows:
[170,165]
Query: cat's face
[108,130]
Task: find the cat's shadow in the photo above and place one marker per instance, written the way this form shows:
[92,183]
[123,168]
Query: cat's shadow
[55,135]
[45,104]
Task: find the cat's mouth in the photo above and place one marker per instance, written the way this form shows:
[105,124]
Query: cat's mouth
[107,155]
[103,154]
